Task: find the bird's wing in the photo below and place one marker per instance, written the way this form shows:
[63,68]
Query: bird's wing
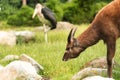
[49,15]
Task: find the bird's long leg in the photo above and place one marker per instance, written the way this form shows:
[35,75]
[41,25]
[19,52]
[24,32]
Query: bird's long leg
[45,33]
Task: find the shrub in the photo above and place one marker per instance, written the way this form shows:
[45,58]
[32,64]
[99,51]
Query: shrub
[14,20]
[83,12]
[23,17]
[8,7]
[3,15]
[6,11]
[57,7]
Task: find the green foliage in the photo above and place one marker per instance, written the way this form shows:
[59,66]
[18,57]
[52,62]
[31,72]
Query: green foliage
[56,7]
[23,17]
[15,3]
[7,8]
[3,15]
[75,11]
[69,12]
[83,12]
[59,12]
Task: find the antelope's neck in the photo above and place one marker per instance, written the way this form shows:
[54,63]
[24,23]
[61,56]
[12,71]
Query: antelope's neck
[89,37]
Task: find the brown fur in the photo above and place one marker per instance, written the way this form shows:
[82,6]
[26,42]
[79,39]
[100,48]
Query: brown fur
[106,27]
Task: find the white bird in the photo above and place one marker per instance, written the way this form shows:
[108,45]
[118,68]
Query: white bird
[46,16]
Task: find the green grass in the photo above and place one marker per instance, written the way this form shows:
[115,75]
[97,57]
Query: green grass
[50,54]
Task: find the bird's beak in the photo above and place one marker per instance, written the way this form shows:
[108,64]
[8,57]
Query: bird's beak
[34,14]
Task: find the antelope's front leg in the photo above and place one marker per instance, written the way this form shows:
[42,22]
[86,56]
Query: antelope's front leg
[111,44]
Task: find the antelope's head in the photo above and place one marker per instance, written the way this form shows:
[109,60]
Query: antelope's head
[73,48]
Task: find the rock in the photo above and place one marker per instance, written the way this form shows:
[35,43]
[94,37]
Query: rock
[26,35]
[100,62]
[7,38]
[60,26]
[89,72]
[64,25]
[94,67]
[10,58]
[97,78]
[26,58]
[1,67]
[39,28]
[19,70]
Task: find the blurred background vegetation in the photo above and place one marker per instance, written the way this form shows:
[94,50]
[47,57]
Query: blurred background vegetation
[19,12]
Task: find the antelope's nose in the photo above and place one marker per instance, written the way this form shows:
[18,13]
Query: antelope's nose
[65,57]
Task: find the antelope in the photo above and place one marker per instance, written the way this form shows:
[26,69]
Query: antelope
[105,26]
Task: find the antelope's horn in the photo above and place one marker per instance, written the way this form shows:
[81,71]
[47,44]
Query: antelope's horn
[71,34]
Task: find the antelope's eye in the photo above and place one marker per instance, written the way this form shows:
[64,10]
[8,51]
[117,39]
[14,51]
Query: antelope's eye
[67,48]
[75,45]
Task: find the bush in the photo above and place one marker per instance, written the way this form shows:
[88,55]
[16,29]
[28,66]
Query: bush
[8,8]
[14,20]
[6,11]
[3,16]
[83,12]
[23,17]
[57,7]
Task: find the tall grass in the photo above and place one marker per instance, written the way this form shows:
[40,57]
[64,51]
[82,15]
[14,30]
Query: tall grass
[50,54]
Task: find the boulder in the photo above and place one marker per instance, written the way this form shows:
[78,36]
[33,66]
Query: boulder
[26,58]
[60,26]
[64,25]
[97,66]
[10,58]
[100,62]
[7,38]
[1,67]
[89,72]
[97,78]
[25,36]
[19,70]
[39,28]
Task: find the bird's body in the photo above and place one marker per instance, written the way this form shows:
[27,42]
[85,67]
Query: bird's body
[49,15]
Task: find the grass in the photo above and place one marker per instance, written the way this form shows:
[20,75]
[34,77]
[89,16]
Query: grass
[50,54]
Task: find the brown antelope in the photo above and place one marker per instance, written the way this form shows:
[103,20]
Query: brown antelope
[105,26]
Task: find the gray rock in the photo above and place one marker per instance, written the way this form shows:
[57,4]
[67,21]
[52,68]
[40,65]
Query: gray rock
[89,72]
[94,67]
[26,35]
[10,58]
[40,28]
[100,62]
[97,78]
[64,25]
[26,58]
[1,67]
[7,38]
[19,70]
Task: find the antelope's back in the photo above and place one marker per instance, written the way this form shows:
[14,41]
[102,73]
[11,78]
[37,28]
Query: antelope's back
[108,19]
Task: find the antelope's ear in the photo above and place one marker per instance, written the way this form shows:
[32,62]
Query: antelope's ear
[71,34]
